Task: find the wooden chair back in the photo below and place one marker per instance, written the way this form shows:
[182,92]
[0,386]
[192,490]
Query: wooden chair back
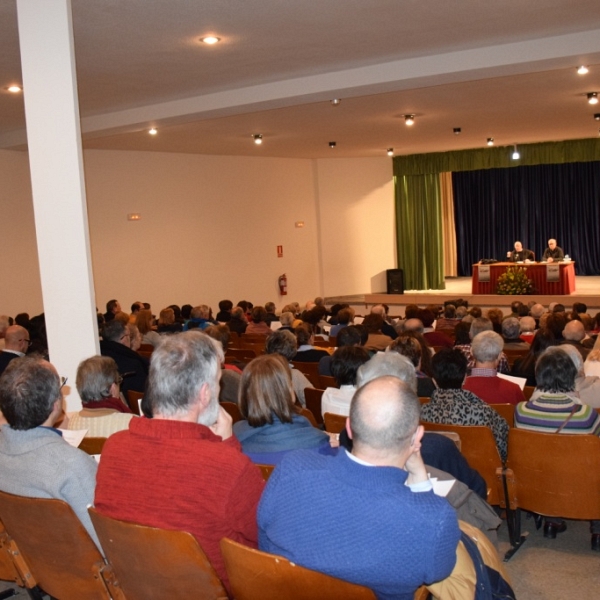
[234,410]
[12,564]
[256,575]
[308,415]
[424,400]
[257,347]
[512,355]
[327,381]
[311,370]
[507,411]
[156,563]
[234,340]
[64,560]
[528,391]
[92,445]
[554,474]
[479,448]
[146,348]
[133,398]
[244,355]
[313,397]
[334,423]
[322,343]
[266,470]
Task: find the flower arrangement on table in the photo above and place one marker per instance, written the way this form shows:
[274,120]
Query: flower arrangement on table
[514,282]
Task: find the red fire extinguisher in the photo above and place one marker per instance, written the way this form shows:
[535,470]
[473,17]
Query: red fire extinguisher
[283,285]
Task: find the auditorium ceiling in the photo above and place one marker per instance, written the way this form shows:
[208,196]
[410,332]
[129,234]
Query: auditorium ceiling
[504,70]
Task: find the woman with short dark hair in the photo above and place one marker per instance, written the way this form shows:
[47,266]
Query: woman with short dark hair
[272,425]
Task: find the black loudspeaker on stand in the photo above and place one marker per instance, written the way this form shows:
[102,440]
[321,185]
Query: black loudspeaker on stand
[395,281]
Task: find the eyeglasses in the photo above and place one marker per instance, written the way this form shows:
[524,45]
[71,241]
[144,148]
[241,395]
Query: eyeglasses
[28,342]
[63,382]
[119,380]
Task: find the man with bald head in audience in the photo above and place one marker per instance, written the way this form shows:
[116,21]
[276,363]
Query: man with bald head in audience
[574,334]
[16,343]
[370,516]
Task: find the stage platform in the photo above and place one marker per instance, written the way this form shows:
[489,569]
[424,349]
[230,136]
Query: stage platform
[587,290]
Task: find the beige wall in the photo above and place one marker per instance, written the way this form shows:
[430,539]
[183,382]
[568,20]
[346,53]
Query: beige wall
[210,227]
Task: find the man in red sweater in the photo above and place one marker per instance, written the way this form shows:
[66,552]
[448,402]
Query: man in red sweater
[183,469]
[484,381]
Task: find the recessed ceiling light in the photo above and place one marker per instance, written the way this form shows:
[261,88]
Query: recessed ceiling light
[336,102]
[15,89]
[490,141]
[210,39]
[582,70]
[409,119]
[153,131]
[332,144]
[457,130]
[257,138]
[390,152]
[593,97]
[597,116]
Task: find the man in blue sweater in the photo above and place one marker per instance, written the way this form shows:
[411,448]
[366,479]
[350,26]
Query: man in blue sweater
[369,517]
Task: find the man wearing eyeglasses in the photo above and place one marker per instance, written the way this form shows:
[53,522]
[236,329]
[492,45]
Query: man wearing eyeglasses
[17,343]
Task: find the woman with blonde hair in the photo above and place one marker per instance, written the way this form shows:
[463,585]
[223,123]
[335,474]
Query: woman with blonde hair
[272,425]
[144,324]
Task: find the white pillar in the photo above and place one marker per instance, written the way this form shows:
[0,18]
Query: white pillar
[57,179]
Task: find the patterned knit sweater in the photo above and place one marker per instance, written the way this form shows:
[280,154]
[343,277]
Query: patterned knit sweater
[358,523]
[546,412]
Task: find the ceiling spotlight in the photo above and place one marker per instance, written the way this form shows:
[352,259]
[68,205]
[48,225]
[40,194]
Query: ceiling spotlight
[210,39]
[15,89]
[257,137]
[153,131]
[593,97]
[457,130]
[597,116]
[332,144]
[490,141]
[409,119]
[515,154]
[390,152]
[582,70]
[336,102]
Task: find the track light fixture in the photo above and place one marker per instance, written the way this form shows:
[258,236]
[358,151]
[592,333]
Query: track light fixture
[593,97]
[409,119]
[335,102]
[332,144]
[257,138]
[597,117]
[490,141]
[515,154]
[390,152]
[583,70]
[457,130]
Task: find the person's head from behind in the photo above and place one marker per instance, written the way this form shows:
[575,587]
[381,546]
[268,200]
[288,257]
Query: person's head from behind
[461,333]
[287,319]
[345,316]
[113,306]
[487,346]
[17,338]
[449,367]
[387,363]
[166,317]
[266,391]
[450,311]
[384,419]
[283,343]
[556,322]
[407,345]
[202,311]
[220,333]
[259,314]
[98,378]
[511,328]
[543,338]
[238,313]
[527,325]
[30,393]
[345,363]
[555,372]
[575,357]
[348,336]
[427,317]
[478,325]
[270,308]
[373,323]
[363,332]
[184,378]
[144,321]
[115,331]
[304,334]
[574,331]
[415,325]
[225,305]
[136,307]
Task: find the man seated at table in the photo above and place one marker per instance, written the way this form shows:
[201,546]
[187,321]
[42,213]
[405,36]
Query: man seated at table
[519,254]
[553,252]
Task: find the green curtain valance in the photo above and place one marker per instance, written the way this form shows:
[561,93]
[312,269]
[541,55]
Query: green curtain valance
[492,158]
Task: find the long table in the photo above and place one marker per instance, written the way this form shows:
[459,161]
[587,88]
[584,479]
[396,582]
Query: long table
[535,271]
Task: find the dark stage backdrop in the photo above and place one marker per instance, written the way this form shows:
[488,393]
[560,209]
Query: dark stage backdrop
[495,207]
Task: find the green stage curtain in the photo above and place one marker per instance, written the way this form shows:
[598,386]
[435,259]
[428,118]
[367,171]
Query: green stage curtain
[419,231]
